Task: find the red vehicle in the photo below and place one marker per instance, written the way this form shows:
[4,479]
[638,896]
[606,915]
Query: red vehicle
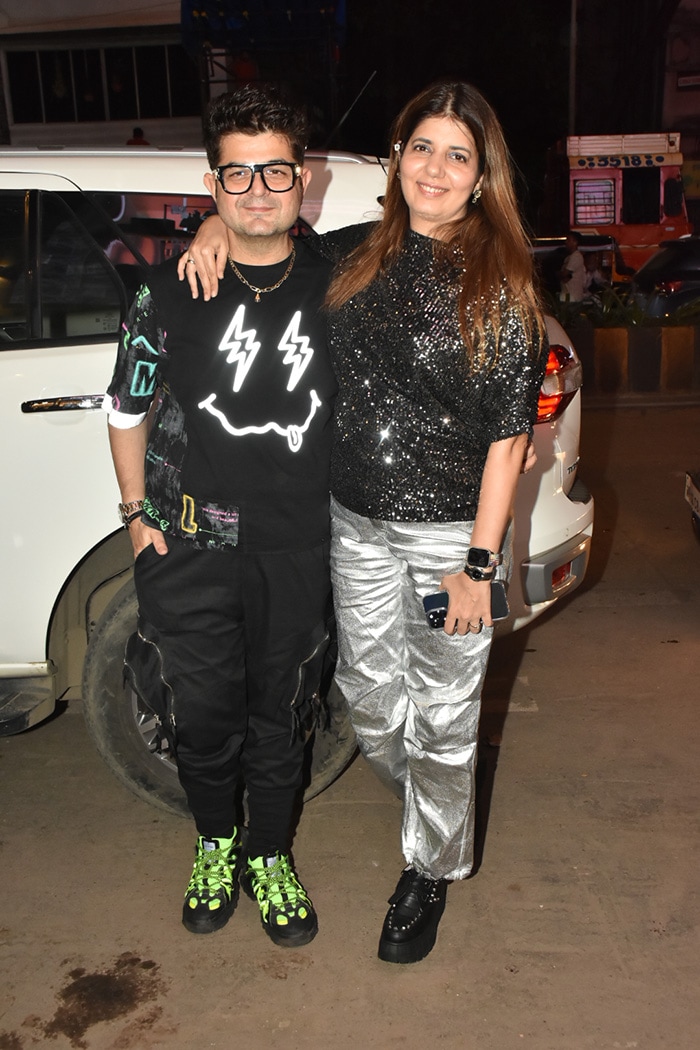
[625,187]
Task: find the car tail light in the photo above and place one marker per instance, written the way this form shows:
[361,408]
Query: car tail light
[562,378]
[669,287]
[560,575]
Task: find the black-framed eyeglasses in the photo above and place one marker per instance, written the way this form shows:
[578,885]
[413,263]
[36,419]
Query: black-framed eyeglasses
[278,176]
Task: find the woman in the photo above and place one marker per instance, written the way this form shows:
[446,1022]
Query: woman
[438,346]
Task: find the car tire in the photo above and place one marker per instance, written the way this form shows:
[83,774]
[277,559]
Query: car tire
[126,734]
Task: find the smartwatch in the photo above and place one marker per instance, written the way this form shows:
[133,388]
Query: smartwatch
[481,563]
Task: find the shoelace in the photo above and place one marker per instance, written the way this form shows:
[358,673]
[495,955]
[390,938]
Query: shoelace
[280,887]
[213,871]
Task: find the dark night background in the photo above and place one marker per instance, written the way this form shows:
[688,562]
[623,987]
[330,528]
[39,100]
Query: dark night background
[517,53]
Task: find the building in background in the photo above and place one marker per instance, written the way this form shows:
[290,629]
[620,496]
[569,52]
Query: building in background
[74,76]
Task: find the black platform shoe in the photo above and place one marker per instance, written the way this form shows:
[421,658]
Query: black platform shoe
[410,926]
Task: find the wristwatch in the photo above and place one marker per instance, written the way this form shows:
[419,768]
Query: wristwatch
[127,511]
[481,563]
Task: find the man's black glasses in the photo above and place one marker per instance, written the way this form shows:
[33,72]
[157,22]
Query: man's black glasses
[278,176]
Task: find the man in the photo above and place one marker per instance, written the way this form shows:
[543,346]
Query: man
[225,497]
[573,271]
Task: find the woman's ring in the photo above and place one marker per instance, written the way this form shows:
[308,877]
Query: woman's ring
[190,261]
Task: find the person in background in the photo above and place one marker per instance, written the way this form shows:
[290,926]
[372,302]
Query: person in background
[438,344]
[573,271]
[594,278]
[137,138]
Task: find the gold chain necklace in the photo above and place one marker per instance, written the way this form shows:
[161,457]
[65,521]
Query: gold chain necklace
[271,287]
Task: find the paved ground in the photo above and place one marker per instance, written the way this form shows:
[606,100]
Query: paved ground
[580,928]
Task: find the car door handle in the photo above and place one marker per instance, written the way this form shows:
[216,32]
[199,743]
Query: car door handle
[63,404]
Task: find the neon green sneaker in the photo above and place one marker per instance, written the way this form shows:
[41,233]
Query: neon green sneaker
[286,913]
[212,893]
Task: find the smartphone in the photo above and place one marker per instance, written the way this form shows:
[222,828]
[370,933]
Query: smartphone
[435,605]
[500,609]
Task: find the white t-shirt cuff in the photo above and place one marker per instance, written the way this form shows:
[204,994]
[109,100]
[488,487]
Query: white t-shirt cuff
[121,420]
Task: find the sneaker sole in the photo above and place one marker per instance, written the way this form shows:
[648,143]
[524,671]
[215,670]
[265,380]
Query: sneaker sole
[289,940]
[410,952]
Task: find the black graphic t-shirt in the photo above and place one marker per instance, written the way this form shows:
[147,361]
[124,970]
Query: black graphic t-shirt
[239,450]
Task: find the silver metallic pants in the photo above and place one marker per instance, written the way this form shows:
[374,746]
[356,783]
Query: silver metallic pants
[414,693]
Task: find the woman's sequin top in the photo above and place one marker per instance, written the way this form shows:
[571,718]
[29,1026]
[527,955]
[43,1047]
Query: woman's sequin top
[413,422]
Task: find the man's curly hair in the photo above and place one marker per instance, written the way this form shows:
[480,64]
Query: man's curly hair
[251,110]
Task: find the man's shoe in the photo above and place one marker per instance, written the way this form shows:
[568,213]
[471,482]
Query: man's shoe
[212,893]
[286,913]
[410,926]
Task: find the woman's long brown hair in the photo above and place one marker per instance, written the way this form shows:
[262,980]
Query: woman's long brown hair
[489,245]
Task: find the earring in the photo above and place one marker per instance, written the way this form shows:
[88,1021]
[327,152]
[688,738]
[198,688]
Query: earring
[397,147]
[476,195]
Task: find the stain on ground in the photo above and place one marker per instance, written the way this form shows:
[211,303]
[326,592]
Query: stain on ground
[106,995]
[279,967]
[10,1041]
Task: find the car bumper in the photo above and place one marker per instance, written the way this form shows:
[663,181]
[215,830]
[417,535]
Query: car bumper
[539,574]
[24,702]
[540,579]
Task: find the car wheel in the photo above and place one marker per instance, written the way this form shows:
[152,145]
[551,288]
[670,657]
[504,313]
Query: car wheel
[128,736]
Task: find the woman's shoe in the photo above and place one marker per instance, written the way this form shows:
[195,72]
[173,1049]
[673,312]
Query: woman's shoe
[410,926]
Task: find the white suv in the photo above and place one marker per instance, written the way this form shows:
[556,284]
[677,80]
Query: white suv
[78,231]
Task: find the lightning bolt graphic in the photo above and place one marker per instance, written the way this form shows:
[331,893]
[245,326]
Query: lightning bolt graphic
[232,341]
[298,352]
